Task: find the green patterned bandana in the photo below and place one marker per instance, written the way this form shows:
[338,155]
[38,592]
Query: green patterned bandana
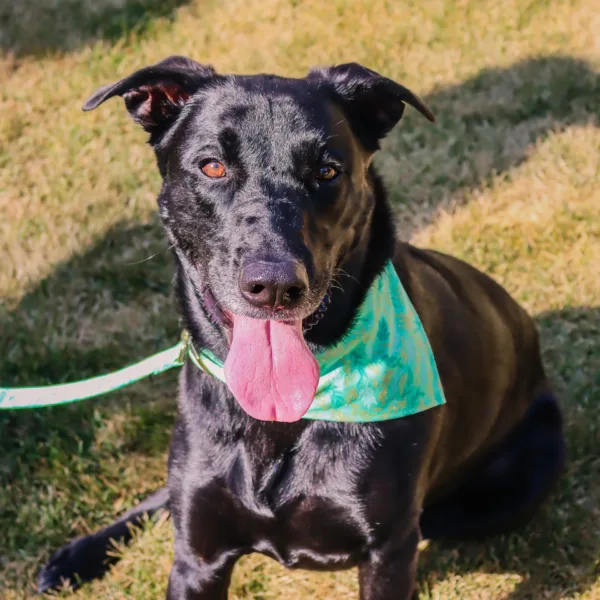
[382,369]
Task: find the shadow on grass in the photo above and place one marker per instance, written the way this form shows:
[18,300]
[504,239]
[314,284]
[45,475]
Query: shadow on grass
[94,314]
[486,126]
[57,466]
[40,27]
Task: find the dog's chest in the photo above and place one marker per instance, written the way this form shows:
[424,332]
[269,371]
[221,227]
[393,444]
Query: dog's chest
[303,510]
[314,532]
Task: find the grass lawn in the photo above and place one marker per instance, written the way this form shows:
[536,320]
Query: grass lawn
[509,180]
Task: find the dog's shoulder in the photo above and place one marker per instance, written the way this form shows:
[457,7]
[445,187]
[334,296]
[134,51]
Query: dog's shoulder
[434,278]
[454,299]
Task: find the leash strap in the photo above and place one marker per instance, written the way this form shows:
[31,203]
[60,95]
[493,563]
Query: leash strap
[51,395]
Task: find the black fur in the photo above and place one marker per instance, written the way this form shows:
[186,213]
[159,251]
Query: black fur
[316,494]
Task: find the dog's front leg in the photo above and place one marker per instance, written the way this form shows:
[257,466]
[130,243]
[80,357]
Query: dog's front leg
[193,579]
[389,572]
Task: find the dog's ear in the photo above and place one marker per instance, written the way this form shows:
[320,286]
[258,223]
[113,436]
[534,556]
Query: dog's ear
[373,103]
[155,95]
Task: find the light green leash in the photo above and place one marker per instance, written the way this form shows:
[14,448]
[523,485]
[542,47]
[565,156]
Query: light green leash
[382,369]
[51,395]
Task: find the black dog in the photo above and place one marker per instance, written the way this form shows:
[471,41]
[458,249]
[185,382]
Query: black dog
[268,195]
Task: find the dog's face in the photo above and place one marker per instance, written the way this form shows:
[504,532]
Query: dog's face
[265,192]
[265,184]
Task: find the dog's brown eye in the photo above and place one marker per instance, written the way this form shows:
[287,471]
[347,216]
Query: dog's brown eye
[214,169]
[326,172]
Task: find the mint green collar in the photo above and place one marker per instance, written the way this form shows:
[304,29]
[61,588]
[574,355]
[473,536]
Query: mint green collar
[382,369]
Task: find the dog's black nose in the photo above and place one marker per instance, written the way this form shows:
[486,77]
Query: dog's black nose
[273,285]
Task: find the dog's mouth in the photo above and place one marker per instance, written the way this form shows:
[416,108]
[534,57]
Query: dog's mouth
[269,367]
[225,318]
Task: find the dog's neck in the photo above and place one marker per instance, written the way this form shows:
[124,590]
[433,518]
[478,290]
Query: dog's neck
[355,274]
[358,270]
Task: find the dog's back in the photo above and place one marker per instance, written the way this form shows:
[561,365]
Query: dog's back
[500,405]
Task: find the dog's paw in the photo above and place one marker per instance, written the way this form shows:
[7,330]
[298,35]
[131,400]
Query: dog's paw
[82,559]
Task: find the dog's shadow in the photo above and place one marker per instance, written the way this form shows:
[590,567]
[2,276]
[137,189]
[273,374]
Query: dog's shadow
[64,329]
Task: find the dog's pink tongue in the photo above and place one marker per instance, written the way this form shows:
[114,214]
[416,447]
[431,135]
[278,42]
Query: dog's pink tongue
[270,369]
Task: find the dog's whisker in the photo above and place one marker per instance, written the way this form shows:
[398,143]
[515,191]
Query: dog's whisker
[139,262]
[346,274]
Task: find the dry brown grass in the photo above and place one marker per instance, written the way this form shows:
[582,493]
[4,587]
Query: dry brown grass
[509,180]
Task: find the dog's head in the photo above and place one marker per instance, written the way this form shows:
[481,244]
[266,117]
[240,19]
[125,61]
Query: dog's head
[266,193]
